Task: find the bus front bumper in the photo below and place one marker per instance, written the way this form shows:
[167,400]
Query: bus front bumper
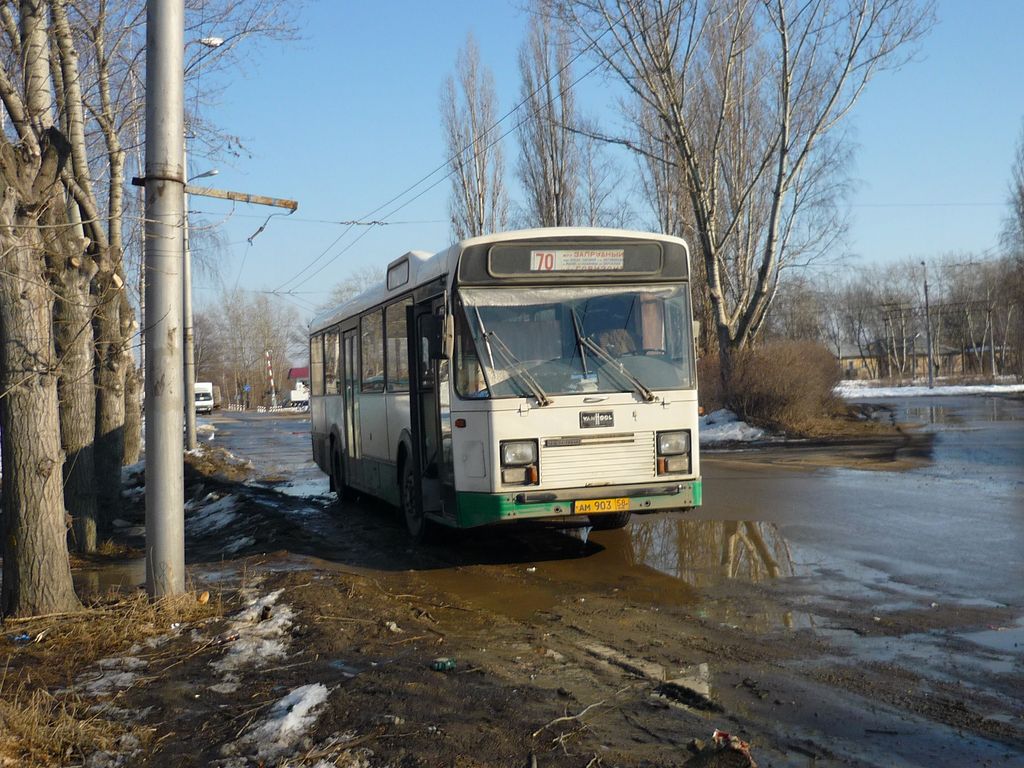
[488,508]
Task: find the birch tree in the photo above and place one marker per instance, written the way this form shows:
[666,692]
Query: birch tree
[478,203]
[750,97]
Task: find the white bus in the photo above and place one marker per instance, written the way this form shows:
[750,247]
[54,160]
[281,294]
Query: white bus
[543,374]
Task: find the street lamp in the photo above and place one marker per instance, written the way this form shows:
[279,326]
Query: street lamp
[928,328]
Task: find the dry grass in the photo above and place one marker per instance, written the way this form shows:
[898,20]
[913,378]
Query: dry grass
[43,724]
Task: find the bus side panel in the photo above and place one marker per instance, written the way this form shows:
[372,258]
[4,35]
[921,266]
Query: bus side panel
[373,438]
[398,420]
[326,414]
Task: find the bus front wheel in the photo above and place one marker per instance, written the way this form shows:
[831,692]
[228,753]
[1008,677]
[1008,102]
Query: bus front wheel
[412,513]
[610,522]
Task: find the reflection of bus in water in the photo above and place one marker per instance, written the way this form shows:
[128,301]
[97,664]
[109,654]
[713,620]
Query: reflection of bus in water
[544,374]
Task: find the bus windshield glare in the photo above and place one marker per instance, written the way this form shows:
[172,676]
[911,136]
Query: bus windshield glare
[543,341]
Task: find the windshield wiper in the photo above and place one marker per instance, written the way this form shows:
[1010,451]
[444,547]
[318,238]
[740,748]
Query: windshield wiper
[579,341]
[513,364]
[618,367]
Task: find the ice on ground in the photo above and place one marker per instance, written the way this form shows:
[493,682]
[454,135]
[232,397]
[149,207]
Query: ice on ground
[114,674]
[860,390]
[309,488]
[257,642]
[723,426]
[214,516]
[287,722]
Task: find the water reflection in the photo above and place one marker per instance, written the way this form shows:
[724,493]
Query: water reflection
[705,552]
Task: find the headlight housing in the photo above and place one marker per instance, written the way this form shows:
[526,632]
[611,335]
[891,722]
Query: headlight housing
[518,453]
[673,443]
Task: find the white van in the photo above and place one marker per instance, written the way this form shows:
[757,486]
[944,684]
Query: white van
[204,397]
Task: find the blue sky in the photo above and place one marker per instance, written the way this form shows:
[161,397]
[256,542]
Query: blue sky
[347,118]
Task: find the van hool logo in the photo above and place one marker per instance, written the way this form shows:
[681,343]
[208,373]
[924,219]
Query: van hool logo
[597,419]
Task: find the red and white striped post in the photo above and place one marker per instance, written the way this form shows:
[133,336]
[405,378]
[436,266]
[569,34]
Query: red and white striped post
[270,375]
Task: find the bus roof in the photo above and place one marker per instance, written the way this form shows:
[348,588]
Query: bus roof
[424,266]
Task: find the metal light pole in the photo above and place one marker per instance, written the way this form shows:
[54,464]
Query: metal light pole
[928,328]
[165,180]
[189,368]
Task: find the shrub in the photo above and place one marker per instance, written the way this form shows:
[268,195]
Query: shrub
[787,385]
[709,380]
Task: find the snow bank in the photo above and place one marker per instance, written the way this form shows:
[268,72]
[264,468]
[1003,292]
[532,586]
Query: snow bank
[723,426]
[860,390]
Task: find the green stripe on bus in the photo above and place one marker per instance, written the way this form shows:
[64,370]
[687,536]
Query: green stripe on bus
[486,508]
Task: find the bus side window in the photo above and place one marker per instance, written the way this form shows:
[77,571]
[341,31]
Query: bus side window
[371,351]
[332,363]
[316,364]
[397,341]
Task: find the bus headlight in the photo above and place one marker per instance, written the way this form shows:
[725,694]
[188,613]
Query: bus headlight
[518,453]
[673,452]
[519,462]
[673,443]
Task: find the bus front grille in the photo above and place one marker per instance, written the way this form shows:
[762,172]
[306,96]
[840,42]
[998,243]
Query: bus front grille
[616,459]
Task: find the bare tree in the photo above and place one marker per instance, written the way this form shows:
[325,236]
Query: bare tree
[360,280]
[751,97]
[1013,228]
[549,162]
[36,572]
[478,203]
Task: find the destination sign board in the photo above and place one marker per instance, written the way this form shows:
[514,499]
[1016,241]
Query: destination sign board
[577,260]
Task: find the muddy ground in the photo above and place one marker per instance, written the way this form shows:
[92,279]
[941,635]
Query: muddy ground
[567,649]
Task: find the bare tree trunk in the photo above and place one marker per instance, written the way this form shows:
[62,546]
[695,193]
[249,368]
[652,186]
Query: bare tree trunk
[36,571]
[77,398]
[132,387]
[110,382]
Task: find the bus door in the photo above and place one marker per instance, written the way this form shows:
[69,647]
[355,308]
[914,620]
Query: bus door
[352,452]
[430,417]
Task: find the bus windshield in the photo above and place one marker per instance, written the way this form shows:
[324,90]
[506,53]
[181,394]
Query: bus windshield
[543,341]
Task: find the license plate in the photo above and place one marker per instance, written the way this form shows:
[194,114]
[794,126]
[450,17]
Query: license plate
[598,506]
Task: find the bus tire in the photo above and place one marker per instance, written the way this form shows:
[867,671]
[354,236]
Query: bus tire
[412,515]
[610,522]
[337,476]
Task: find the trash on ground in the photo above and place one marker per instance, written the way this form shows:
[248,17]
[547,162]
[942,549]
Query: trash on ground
[443,664]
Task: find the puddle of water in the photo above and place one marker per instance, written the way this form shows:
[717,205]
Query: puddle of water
[1008,639]
[121,575]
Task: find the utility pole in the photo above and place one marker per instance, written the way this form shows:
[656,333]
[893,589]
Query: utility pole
[928,328]
[189,367]
[165,183]
[270,375]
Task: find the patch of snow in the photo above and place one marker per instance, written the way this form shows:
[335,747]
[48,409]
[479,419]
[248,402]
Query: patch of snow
[862,390]
[257,642]
[307,489]
[131,470]
[287,721]
[213,516]
[723,426]
[204,427]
